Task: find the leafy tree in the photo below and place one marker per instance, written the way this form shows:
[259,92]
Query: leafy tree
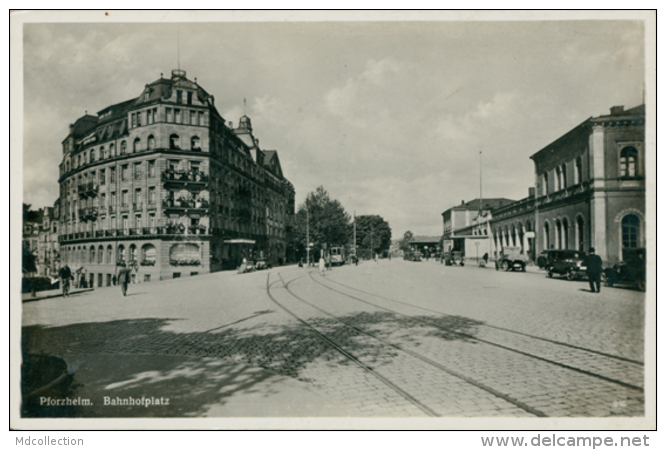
[29,260]
[405,241]
[373,233]
[329,223]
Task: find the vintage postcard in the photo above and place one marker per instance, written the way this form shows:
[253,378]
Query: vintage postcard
[333,220]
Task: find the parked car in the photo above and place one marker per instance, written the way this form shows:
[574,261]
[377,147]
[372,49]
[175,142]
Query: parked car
[511,258]
[454,259]
[542,260]
[263,264]
[566,262]
[630,271]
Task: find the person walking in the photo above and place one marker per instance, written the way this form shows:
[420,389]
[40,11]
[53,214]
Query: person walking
[329,262]
[124,279]
[322,266]
[594,266]
[65,274]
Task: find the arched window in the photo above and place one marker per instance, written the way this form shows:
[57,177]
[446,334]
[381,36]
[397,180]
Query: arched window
[546,236]
[109,254]
[578,174]
[92,254]
[565,234]
[564,176]
[174,141]
[135,147]
[631,226]
[580,233]
[132,253]
[558,179]
[92,155]
[151,142]
[195,143]
[148,254]
[123,147]
[628,162]
[558,234]
[121,253]
[100,255]
[67,166]
[188,253]
[544,188]
[112,151]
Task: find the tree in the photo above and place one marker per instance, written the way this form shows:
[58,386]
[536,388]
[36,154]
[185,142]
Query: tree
[29,261]
[328,222]
[405,241]
[373,234]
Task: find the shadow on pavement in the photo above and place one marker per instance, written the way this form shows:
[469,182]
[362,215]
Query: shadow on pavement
[199,371]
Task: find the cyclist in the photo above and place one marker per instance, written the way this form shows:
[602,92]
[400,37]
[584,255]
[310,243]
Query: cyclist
[65,275]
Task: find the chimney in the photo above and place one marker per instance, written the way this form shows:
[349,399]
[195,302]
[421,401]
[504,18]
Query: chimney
[532,192]
[231,125]
[462,202]
[617,110]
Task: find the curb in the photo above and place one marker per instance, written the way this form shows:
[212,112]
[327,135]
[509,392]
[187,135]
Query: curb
[55,295]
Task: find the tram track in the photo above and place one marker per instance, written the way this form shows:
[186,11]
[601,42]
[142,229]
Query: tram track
[433,323]
[403,392]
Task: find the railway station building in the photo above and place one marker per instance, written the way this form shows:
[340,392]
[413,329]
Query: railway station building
[164,184]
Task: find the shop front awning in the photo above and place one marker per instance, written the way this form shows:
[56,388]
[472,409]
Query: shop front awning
[240,241]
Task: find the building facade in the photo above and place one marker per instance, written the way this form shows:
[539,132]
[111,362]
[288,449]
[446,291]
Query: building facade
[164,184]
[48,249]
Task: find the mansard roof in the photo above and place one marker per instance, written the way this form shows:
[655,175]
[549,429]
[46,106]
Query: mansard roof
[272,162]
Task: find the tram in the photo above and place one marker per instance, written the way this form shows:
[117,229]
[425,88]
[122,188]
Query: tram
[337,256]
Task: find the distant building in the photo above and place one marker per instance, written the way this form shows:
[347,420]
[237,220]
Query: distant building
[163,183]
[48,249]
[30,240]
[428,245]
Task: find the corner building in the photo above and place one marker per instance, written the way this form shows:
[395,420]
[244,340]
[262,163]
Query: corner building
[164,184]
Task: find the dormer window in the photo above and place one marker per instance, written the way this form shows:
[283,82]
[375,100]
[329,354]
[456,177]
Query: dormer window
[146,96]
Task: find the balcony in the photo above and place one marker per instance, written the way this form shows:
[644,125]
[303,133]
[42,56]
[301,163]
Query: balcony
[112,209]
[186,206]
[137,207]
[88,213]
[124,209]
[87,190]
[185,179]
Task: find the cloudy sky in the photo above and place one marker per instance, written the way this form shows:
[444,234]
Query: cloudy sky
[389,117]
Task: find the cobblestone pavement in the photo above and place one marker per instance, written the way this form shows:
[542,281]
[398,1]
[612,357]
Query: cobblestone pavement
[219,345]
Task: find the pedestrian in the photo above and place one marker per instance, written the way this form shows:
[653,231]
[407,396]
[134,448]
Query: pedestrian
[124,279]
[485,258]
[375,257]
[114,280]
[329,264]
[322,266]
[65,274]
[594,266]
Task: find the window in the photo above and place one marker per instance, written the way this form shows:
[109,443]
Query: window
[177,115]
[137,196]
[123,198]
[138,119]
[109,254]
[151,220]
[564,176]
[133,120]
[630,231]
[201,118]
[151,195]
[121,253]
[92,154]
[135,148]
[112,174]
[137,221]
[112,151]
[195,143]
[113,199]
[102,201]
[148,253]
[123,147]
[92,254]
[193,118]
[125,222]
[179,96]
[151,142]
[137,171]
[151,169]
[558,179]
[578,174]
[102,177]
[146,96]
[174,141]
[545,185]
[169,115]
[189,97]
[628,162]
[123,172]
[546,236]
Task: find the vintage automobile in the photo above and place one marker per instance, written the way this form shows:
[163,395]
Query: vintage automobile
[566,262]
[631,271]
[542,260]
[454,259]
[263,264]
[511,258]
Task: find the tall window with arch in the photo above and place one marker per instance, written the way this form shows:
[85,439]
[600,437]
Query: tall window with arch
[151,142]
[123,147]
[546,236]
[544,187]
[135,146]
[558,179]
[631,226]
[628,162]
[580,233]
[578,173]
[564,176]
[174,141]
[195,143]
[92,155]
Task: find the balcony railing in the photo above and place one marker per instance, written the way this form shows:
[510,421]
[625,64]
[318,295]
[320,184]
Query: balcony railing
[185,178]
[185,205]
[165,230]
[87,189]
[88,213]
[137,206]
